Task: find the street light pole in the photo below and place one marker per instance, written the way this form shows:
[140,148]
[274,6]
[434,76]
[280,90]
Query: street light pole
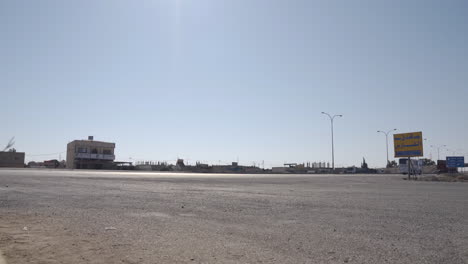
[430,154]
[438,150]
[455,151]
[386,141]
[333,147]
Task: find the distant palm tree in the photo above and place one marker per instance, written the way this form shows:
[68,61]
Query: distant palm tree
[10,144]
[392,164]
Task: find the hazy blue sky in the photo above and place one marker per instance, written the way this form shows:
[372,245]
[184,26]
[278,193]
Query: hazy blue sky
[215,80]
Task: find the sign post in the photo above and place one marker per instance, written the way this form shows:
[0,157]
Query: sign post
[455,162]
[408,145]
[409,169]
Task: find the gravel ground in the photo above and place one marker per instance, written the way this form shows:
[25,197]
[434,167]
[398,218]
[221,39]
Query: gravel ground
[49,216]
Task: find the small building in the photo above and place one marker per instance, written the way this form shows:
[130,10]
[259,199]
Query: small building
[90,154]
[12,159]
[291,168]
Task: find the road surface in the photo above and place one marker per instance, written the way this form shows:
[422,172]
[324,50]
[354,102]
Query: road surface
[49,216]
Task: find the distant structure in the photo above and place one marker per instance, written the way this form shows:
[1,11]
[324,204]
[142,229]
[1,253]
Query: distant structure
[12,159]
[308,167]
[90,154]
[50,164]
[199,167]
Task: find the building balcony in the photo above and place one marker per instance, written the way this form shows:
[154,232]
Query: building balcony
[94,156]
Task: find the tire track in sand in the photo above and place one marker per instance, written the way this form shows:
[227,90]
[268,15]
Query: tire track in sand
[2,260]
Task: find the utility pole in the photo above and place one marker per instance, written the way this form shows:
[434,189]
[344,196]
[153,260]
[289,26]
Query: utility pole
[430,154]
[386,141]
[438,150]
[333,147]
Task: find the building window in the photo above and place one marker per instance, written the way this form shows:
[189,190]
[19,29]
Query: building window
[94,151]
[107,152]
[82,150]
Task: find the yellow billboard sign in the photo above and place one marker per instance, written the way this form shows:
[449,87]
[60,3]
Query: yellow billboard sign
[408,144]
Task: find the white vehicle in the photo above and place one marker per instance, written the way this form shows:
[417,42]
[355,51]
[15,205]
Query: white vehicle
[416,166]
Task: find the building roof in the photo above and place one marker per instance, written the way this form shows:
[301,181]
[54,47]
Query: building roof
[90,141]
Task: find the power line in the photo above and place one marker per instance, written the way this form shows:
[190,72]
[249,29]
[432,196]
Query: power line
[36,155]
